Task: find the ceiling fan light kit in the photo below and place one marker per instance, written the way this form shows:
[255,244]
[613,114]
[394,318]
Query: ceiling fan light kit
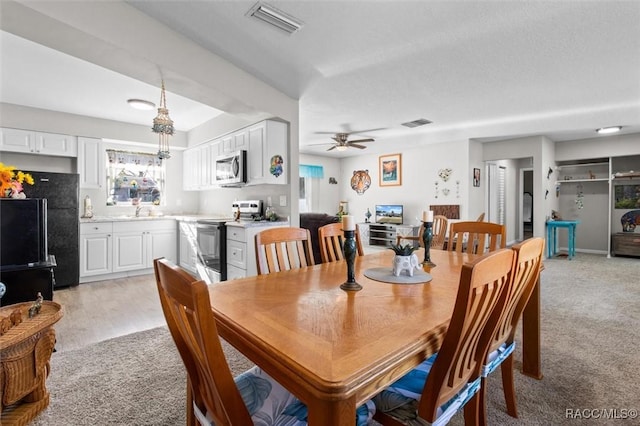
[342,141]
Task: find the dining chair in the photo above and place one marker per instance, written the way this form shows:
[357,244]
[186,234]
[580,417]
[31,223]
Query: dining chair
[331,239]
[450,379]
[281,249]
[439,230]
[476,237]
[527,265]
[214,397]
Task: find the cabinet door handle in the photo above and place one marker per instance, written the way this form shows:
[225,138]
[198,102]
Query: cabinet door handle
[96,228]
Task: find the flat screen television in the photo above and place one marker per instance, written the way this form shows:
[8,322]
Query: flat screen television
[389,213]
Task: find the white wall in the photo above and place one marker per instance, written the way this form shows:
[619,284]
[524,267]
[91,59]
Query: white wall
[419,173]
[601,147]
[476,194]
[540,149]
[592,233]
[219,126]
[327,196]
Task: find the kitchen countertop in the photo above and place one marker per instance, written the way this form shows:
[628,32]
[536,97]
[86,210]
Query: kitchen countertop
[122,218]
[183,218]
[254,223]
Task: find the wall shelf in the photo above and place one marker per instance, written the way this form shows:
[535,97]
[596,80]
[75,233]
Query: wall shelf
[583,180]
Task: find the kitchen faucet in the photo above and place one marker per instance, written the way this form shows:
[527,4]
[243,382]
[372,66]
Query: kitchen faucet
[138,209]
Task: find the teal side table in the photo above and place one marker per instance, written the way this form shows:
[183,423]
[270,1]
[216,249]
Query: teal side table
[552,236]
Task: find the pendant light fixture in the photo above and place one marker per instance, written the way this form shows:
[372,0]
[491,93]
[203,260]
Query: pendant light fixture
[163,126]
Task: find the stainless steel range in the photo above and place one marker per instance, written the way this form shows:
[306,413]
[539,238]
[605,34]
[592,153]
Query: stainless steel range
[212,240]
[212,249]
[249,209]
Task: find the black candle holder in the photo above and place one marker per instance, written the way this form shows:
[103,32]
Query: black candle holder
[427,236]
[350,252]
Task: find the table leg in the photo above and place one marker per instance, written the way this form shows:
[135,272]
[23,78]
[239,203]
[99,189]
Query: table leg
[338,413]
[531,335]
[549,241]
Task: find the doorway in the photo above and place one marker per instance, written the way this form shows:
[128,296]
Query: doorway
[526,203]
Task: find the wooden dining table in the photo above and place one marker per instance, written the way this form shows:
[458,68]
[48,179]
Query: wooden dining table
[331,348]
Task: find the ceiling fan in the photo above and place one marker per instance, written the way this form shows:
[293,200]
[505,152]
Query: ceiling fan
[342,141]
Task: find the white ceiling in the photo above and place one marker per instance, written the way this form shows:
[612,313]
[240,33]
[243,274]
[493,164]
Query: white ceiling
[40,77]
[477,69]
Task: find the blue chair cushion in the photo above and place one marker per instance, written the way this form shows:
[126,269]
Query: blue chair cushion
[364,413]
[269,403]
[496,357]
[400,400]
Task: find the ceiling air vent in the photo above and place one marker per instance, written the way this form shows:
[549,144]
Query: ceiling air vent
[417,123]
[275,17]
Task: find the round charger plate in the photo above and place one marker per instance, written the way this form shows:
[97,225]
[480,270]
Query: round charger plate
[386,275]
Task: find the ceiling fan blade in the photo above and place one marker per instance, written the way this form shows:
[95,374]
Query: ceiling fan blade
[333,147]
[365,131]
[323,143]
[362,140]
[354,145]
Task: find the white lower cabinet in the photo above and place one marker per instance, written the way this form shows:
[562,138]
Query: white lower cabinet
[96,253]
[129,251]
[111,249]
[241,248]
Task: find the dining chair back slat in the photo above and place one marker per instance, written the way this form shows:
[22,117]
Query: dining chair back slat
[454,373]
[187,310]
[476,237]
[439,233]
[281,249]
[526,273]
[331,240]
[482,284]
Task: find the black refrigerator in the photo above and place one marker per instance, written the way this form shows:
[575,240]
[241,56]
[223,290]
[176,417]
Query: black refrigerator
[61,190]
[26,268]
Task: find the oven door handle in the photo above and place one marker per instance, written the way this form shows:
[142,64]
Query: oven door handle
[209,226]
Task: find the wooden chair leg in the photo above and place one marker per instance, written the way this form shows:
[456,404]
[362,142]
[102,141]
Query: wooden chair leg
[191,418]
[482,404]
[508,385]
[472,411]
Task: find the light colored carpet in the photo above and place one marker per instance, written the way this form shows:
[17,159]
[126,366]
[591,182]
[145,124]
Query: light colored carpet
[590,333]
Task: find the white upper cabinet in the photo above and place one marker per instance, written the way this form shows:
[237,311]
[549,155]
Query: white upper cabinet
[91,162]
[266,144]
[30,142]
[267,153]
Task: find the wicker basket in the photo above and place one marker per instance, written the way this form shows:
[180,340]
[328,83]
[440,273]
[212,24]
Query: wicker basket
[25,351]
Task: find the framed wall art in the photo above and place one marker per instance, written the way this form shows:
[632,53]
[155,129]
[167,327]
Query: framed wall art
[390,170]
[476,177]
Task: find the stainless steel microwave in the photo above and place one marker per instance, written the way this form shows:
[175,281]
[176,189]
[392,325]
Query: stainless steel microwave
[231,169]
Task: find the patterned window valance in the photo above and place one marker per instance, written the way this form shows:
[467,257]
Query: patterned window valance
[139,158]
[307,171]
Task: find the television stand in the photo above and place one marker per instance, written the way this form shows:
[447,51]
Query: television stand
[384,234]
